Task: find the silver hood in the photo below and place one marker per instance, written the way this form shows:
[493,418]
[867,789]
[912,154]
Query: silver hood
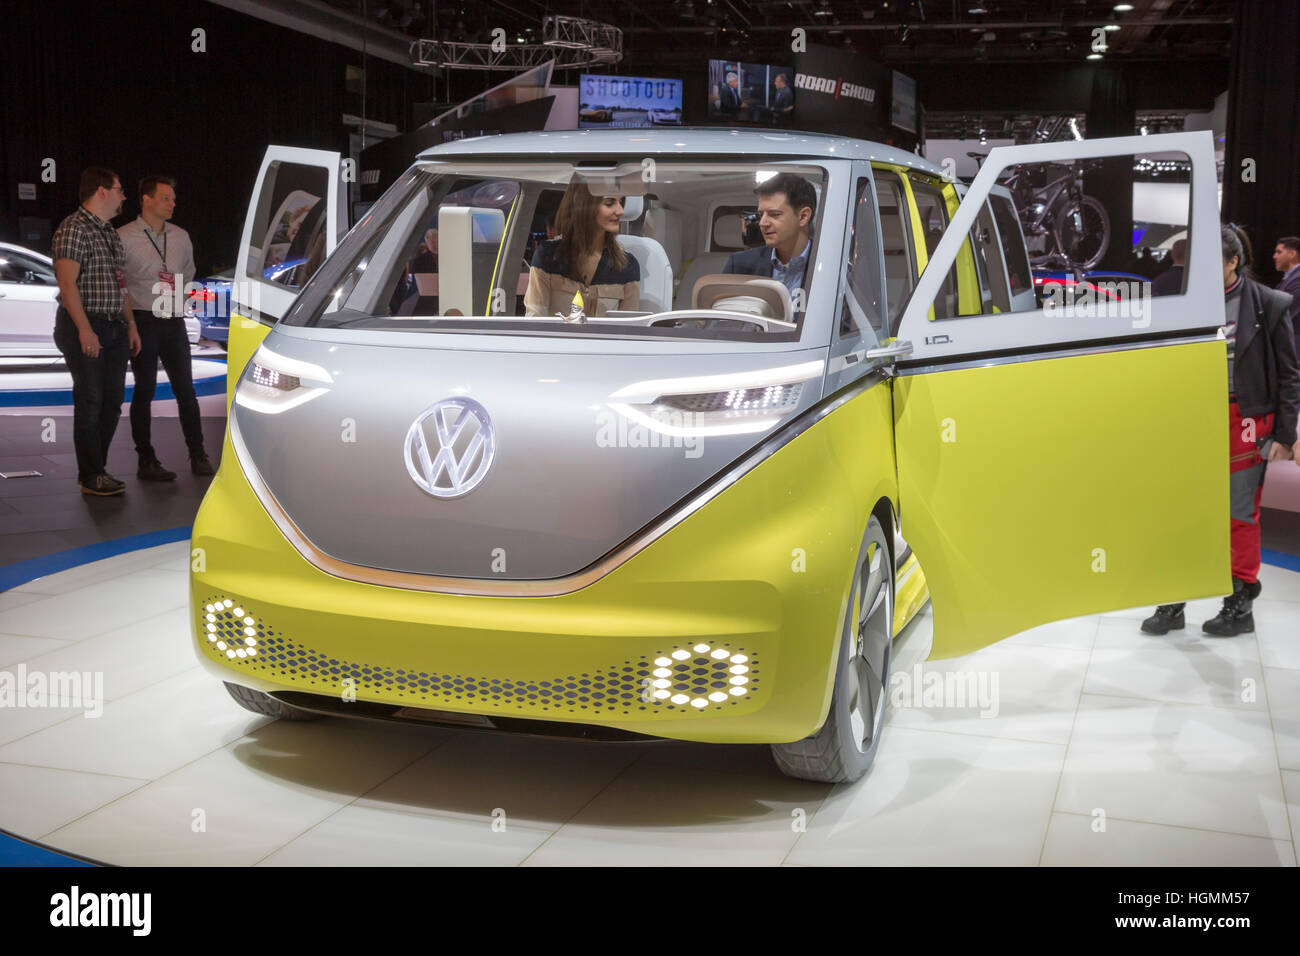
[583,447]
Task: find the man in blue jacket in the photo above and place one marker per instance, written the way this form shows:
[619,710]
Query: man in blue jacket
[786,206]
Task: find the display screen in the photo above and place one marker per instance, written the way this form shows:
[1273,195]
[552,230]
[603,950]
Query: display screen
[751,93]
[612,102]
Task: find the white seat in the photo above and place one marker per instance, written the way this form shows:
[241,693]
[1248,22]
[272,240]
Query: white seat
[656,272]
[705,264]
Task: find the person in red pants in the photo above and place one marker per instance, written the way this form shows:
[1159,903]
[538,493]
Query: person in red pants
[1263,405]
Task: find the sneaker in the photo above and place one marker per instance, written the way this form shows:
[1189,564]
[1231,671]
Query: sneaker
[103,485]
[1168,617]
[1235,616]
[200,465]
[152,470]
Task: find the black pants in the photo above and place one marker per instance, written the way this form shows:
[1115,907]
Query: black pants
[98,385]
[163,339]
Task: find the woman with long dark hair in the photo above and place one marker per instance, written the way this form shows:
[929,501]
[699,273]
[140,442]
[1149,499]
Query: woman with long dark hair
[586,260]
[1263,405]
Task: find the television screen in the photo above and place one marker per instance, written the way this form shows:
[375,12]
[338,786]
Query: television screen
[751,93]
[611,102]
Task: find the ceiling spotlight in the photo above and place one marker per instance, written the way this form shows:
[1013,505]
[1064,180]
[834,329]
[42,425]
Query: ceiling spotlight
[977,10]
[1123,7]
[1094,56]
[1111,27]
[1143,129]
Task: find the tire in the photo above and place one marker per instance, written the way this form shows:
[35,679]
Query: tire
[1094,211]
[267,705]
[845,746]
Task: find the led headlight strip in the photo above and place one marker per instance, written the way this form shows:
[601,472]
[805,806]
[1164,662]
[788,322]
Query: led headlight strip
[734,403]
[275,383]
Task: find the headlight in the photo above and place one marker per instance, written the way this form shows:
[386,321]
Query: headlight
[732,404]
[275,383]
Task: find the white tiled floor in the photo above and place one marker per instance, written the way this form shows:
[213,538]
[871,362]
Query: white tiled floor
[1108,747]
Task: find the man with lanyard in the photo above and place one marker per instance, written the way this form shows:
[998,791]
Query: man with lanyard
[786,206]
[94,328]
[159,260]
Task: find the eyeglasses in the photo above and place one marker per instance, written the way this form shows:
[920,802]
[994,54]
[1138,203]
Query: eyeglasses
[115,189]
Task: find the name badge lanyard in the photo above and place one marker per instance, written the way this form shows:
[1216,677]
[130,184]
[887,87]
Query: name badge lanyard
[162,253]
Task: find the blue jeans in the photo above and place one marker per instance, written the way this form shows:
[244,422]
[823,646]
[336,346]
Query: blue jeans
[163,339]
[98,385]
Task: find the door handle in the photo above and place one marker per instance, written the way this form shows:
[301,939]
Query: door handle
[899,348]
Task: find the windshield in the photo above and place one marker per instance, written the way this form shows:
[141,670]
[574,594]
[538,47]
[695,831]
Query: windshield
[687,248]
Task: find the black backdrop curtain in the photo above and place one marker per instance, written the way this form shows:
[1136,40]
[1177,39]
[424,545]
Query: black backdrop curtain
[118,85]
[1264,126]
[1111,112]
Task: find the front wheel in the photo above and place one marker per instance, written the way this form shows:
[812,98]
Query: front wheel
[845,746]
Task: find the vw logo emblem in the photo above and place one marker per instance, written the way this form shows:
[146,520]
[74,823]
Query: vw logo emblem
[449,448]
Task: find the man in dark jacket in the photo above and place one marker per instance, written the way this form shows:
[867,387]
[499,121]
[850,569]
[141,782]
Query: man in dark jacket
[1263,408]
[1286,259]
[786,206]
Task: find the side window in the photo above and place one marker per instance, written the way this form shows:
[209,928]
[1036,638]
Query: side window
[1013,245]
[1093,238]
[864,277]
[24,270]
[933,211]
[288,241]
[895,235]
[447,250]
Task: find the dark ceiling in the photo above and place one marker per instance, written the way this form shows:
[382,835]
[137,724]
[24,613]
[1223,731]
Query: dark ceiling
[899,32]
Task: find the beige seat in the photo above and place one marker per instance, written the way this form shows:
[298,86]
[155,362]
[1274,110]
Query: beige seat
[749,295]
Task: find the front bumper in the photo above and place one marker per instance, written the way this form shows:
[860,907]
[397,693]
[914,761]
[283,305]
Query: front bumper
[725,629]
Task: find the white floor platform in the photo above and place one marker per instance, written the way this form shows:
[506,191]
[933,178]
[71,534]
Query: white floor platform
[1109,747]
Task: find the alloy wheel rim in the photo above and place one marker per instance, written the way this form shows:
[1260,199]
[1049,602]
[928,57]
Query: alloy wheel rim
[869,654]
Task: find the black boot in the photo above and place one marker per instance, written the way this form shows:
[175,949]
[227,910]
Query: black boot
[1168,617]
[1235,617]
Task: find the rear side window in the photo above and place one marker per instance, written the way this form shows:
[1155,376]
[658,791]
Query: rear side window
[864,256]
[1013,245]
[895,237]
[933,211]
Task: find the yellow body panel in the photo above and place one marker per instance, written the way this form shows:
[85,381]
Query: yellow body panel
[911,595]
[1017,518]
[763,570]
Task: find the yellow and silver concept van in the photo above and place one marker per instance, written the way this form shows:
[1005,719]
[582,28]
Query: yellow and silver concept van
[701,505]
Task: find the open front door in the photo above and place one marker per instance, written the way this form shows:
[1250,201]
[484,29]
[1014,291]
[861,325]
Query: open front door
[1070,457]
[295,218]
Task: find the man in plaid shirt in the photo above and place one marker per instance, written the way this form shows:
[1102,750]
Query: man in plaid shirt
[94,328]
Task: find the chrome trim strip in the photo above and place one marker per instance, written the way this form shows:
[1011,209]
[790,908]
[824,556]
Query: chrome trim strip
[549,587]
[1064,353]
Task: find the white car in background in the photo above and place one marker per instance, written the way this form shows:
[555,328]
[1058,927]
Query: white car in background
[27,308]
